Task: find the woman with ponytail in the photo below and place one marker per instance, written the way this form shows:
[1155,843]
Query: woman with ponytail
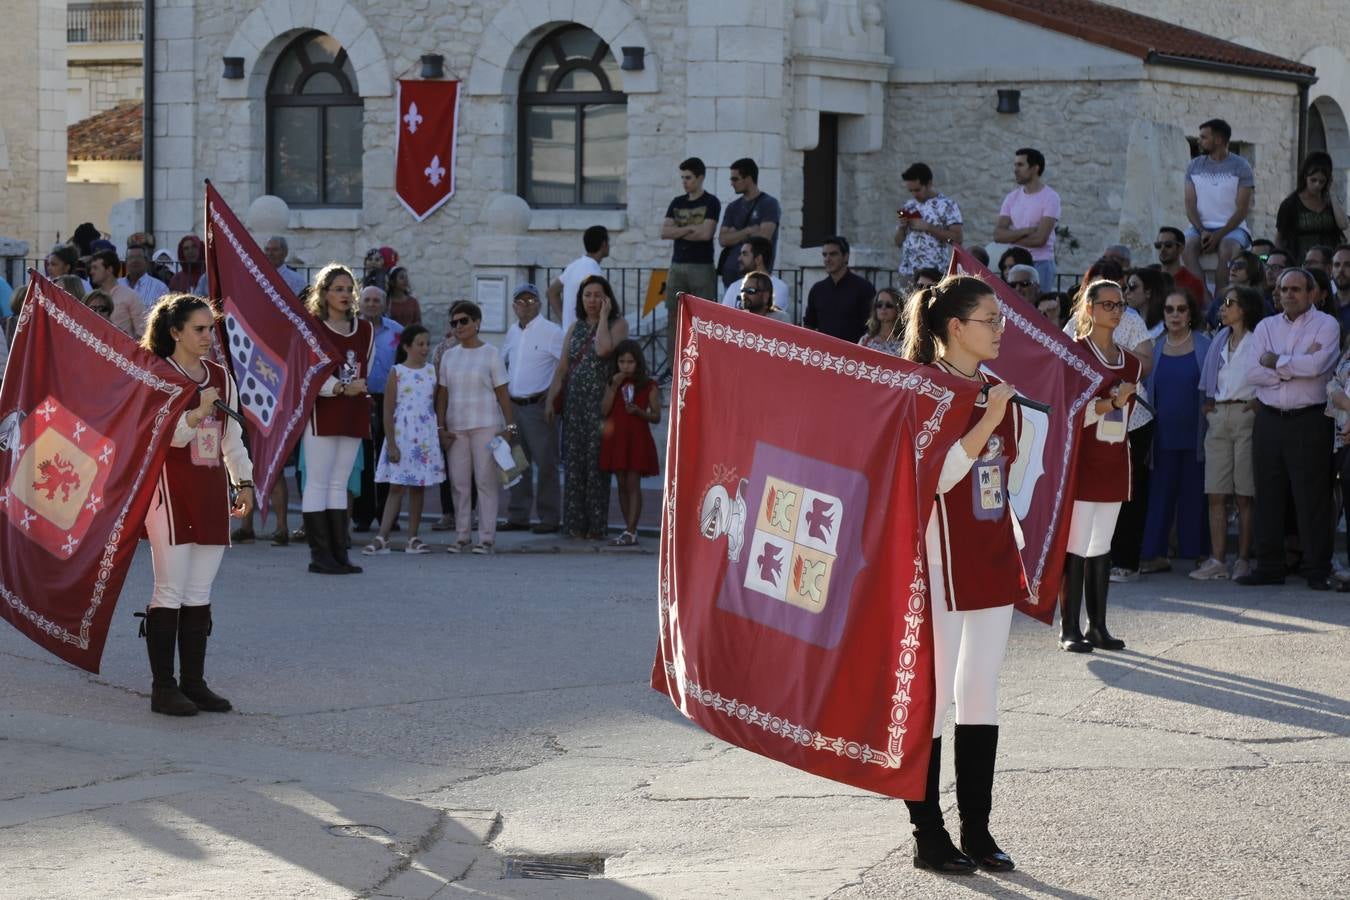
[974,569]
[1103,482]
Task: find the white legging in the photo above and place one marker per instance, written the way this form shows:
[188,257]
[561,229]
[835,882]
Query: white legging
[183,572]
[1090,528]
[328,465]
[968,649]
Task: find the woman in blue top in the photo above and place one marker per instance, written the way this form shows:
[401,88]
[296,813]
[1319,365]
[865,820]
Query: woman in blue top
[1177,487]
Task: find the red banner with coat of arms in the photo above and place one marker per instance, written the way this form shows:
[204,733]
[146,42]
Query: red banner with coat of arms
[85,422]
[428,118]
[794,615]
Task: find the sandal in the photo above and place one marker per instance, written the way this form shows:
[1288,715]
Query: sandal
[377,547]
[457,547]
[415,545]
[298,534]
[626,539]
[483,549]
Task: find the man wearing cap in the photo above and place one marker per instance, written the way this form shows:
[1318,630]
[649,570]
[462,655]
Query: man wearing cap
[532,349]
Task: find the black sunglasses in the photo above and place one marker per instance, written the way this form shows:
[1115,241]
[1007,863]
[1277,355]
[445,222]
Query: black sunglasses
[1020,284]
[105,310]
[885,304]
[463,320]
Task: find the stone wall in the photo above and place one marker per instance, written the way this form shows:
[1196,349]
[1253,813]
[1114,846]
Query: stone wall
[98,87]
[33,123]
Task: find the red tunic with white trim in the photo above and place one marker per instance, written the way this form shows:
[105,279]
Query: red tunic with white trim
[194,482]
[1103,474]
[346,415]
[972,538]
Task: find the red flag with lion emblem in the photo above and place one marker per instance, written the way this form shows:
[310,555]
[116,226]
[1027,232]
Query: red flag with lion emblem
[794,614]
[85,421]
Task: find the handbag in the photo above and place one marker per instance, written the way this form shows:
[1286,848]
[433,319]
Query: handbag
[560,399]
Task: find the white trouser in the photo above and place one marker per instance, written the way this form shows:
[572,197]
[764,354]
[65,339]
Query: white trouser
[328,465]
[183,572]
[968,649]
[1090,528]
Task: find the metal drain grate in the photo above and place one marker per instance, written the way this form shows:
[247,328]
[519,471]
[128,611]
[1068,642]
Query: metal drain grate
[554,867]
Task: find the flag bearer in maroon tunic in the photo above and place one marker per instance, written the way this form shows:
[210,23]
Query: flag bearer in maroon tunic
[974,570]
[341,419]
[189,519]
[1103,479]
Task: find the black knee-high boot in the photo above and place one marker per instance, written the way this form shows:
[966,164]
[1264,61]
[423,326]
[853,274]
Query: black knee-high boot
[1071,605]
[1096,584]
[976,747]
[194,625]
[160,630]
[933,847]
[339,529]
[320,544]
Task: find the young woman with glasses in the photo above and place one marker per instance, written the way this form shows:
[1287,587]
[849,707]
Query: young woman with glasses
[100,302]
[975,569]
[885,327]
[1103,472]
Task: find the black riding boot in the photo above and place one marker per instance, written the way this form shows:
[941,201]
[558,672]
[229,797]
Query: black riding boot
[933,847]
[976,746]
[320,544]
[339,527]
[1097,582]
[160,630]
[1071,606]
[194,624]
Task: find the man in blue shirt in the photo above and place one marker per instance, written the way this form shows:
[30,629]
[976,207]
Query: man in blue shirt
[367,508]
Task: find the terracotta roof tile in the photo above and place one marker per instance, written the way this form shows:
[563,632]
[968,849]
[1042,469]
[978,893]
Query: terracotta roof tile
[1141,36]
[111,135]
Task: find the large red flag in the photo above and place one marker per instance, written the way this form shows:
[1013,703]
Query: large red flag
[1045,365]
[85,422]
[278,352]
[793,590]
[428,116]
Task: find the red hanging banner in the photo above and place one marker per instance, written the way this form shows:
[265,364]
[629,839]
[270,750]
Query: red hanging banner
[428,114]
[1045,365]
[86,417]
[793,595]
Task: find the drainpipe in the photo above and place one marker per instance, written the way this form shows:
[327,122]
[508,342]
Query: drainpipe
[1302,125]
[148,118]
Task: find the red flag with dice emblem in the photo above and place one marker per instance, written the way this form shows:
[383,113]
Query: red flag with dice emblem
[794,614]
[86,417]
[428,114]
[277,350]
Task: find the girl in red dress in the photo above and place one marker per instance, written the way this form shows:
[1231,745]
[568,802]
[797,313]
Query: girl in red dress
[1103,482]
[631,406]
[189,519]
[341,419]
[974,569]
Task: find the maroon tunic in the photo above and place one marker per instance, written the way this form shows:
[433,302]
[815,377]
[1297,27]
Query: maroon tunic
[347,415]
[626,444]
[193,482]
[1103,474]
[974,556]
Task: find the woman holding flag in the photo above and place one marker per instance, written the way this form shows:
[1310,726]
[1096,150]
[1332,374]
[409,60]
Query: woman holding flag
[189,519]
[339,422]
[975,569]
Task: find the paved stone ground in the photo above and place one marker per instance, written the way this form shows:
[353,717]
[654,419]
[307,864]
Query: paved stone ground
[405,732]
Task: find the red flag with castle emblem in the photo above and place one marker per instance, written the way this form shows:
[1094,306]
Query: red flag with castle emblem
[85,422]
[428,114]
[277,350]
[794,615]
[1046,365]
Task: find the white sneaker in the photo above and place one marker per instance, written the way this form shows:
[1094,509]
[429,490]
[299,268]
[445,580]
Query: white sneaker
[1241,567]
[1123,576]
[1210,570]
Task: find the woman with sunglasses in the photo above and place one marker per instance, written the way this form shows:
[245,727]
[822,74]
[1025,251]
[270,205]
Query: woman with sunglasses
[885,328]
[1245,270]
[975,569]
[1103,482]
[100,302]
[1176,485]
[472,407]
[1229,411]
[340,421]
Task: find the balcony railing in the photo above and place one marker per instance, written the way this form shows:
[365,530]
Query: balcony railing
[91,23]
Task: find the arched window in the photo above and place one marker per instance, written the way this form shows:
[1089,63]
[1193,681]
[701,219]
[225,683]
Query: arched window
[573,135]
[314,125]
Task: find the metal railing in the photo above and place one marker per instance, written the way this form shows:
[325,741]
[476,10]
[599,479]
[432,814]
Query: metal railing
[92,23]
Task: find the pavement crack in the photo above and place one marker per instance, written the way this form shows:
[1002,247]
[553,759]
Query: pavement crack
[95,783]
[407,857]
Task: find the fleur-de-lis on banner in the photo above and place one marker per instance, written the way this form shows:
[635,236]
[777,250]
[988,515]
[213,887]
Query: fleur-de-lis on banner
[413,118]
[435,172]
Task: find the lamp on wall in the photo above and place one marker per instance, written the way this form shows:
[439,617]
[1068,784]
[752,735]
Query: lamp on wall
[433,66]
[1010,101]
[234,67]
[632,58]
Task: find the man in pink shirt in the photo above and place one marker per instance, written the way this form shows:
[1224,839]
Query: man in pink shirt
[128,313]
[1297,351]
[1028,215]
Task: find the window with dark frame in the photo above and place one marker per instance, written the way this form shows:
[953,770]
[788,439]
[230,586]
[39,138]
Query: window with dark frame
[314,122]
[572,148]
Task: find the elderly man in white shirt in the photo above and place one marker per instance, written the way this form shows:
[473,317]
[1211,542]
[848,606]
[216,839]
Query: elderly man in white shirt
[532,348]
[138,278]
